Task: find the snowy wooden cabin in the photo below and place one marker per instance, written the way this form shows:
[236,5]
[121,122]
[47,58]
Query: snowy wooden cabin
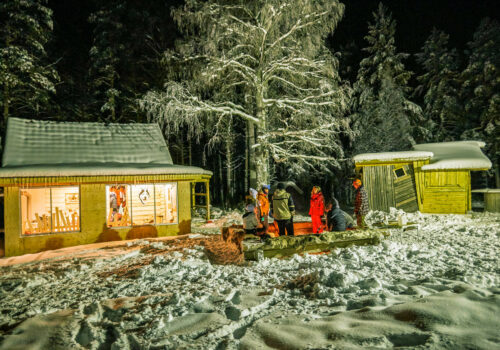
[68,184]
[432,178]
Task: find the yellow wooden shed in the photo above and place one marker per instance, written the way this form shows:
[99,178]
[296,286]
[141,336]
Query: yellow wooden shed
[67,184]
[431,178]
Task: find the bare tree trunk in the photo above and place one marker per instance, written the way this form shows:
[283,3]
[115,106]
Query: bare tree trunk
[497,174]
[251,155]
[190,145]
[261,155]
[181,146]
[229,161]
[221,181]
[247,156]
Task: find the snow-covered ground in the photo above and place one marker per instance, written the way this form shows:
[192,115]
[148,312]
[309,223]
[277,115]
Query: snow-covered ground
[435,287]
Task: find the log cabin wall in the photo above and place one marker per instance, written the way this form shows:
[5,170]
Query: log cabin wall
[378,183]
[446,191]
[93,218]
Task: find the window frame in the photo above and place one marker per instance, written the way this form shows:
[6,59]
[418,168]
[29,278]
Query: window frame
[22,235]
[399,168]
[154,206]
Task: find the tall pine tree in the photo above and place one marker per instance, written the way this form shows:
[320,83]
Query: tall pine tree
[27,80]
[439,87]
[481,90]
[382,112]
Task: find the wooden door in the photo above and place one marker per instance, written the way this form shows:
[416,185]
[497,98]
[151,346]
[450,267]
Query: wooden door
[405,194]
[378,182]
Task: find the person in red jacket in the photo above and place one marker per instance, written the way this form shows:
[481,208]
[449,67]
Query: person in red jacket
[317,209]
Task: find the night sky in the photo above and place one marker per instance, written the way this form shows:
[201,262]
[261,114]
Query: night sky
[415,20]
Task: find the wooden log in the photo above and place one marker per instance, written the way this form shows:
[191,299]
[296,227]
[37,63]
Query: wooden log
[46,223]
[39,223]
[56,222]
[64,221]
[73,221]
[30,227]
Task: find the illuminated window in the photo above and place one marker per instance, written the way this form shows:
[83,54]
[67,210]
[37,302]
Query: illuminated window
[117,205]
[144,204]
[166,203]
[50,210]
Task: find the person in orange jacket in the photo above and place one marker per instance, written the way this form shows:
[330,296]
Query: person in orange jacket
[263,202]
[317,209]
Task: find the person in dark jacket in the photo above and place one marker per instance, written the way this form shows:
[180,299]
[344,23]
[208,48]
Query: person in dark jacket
[283,210]
[361,207]
[336,217]
[317,209]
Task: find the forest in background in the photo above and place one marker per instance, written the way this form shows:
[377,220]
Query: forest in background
[256,92]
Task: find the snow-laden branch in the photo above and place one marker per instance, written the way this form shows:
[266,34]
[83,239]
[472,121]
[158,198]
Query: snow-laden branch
[177,99]
[310,19]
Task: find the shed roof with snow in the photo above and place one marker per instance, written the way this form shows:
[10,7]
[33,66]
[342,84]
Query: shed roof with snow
[48,148]
[455,155]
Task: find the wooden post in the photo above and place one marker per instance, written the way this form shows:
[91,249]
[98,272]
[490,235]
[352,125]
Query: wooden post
[208,199]
[193,196]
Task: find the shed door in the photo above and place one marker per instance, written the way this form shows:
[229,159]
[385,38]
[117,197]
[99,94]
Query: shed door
[378,182]
[405,195]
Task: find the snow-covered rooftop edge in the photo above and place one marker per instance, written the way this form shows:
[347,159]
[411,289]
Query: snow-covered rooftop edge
[58,170]
[455,155]
[392,156]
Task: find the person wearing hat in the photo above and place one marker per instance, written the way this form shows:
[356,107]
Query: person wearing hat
[263,202]
[317,209]
[250,220]
[361,206]
[283,210]
[336,217]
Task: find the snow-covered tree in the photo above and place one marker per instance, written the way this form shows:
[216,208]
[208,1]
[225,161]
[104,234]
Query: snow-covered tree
[264,62]
[105,57]
[481,90]
[439,86]
[382,112]
[26,78]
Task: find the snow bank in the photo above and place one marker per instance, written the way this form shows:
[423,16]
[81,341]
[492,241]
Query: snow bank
[432,287]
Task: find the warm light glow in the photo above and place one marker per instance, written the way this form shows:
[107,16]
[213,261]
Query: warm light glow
[50,210]
[117,205]
[144,204]
[166,203]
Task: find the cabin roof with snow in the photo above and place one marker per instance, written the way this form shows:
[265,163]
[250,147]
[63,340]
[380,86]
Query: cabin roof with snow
[48,148]
[405,156]
[442,156]
[455,155]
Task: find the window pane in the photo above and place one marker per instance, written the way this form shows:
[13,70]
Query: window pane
[65,209]
[166,203]
[117,206]
[400,172]
[35,210]
[143,208]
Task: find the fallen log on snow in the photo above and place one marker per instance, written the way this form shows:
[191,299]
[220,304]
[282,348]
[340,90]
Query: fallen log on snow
[286,246]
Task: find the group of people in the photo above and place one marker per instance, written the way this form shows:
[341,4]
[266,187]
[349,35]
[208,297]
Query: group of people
[258,208]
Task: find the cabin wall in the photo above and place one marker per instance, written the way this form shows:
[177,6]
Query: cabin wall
[445,191]
[387,187]
[379,186]
[92,223]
